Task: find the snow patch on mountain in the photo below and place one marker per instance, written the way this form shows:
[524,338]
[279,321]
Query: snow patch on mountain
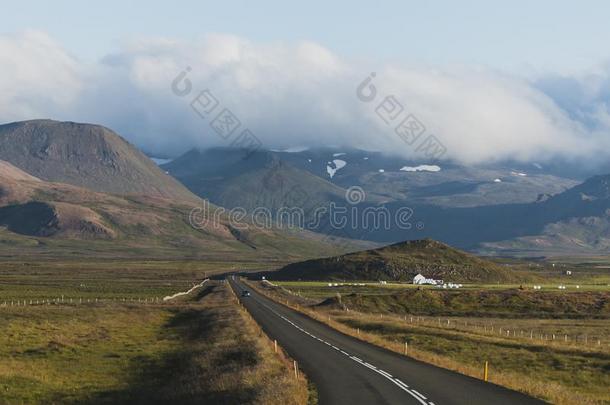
[421,168]
[334,166]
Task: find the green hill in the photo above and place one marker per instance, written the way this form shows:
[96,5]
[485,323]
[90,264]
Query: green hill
[399,262]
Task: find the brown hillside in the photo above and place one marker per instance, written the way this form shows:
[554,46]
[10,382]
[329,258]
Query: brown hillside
[40,213]
[85,155]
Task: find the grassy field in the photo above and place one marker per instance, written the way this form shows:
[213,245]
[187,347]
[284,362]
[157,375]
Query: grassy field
[202,348]
[562,359]
[108,279]
[323,289]
[104,336]
[69,354]
[471,300]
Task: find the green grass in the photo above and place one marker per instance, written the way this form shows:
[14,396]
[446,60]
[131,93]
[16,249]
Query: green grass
[471,300]
[504,303]
[68,354]
[197,349]
[110,279]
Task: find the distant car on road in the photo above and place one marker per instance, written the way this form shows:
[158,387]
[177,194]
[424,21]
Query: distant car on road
[245,293]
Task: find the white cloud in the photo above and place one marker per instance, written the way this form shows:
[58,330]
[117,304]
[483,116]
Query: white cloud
[38,77]
[301,94]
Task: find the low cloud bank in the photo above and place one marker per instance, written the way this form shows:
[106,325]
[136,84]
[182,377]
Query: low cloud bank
[303,94]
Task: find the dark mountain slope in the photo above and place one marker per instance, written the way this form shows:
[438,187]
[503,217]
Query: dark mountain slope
[576,221]
[577,217]
[444,184]
[230,178]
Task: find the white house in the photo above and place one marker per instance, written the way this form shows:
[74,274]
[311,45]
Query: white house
[419,279]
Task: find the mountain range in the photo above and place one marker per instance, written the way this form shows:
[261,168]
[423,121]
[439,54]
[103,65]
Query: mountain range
[65,183]
[501,208]
[82,188]
[326,174]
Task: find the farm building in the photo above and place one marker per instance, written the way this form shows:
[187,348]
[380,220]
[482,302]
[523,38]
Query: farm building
[419,279]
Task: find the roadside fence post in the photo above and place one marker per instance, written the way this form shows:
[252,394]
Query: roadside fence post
[486,371]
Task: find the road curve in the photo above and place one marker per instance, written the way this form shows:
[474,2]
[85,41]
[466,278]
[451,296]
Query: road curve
[348,371]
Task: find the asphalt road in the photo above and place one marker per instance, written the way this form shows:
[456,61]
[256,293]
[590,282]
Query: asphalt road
[348,371]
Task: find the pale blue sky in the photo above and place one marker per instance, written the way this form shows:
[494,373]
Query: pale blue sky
[527,80]
[515,36]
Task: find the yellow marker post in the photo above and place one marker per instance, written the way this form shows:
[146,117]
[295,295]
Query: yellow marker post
[486,371]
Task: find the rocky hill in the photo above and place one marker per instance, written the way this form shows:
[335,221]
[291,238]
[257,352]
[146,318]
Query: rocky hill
[399,262]
[85,155]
